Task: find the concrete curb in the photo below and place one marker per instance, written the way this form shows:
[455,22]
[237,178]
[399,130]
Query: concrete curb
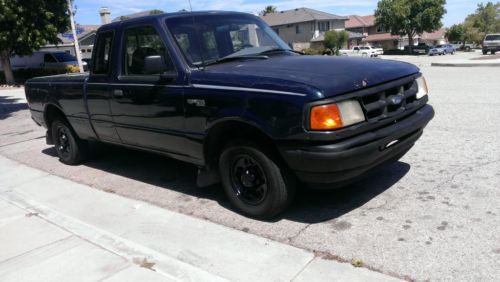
[466,64]
[180,247]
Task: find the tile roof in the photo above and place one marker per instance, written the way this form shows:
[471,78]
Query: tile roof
[360,21]
[381,37]
[438,34]
[86,30]
[297,16]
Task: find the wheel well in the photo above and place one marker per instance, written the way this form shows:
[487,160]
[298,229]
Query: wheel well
[221,135]
[51,113]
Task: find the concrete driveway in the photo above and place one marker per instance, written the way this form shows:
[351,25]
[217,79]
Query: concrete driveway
[433,215]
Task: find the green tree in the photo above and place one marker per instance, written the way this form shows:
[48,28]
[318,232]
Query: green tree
[268,10]
[410,17]
[455,33]
[334,40]
[26,26]
[156,12]
[486,19]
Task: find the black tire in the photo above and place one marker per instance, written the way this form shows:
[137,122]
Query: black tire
[256,184]
[485,52]
[70,149]
[493,52]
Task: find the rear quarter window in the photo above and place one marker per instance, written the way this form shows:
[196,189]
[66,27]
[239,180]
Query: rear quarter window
[492,37]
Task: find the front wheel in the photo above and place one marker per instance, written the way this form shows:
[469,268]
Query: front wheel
[254,181]
[70,149]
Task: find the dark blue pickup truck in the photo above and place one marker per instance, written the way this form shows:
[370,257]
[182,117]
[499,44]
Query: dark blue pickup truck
[222,91]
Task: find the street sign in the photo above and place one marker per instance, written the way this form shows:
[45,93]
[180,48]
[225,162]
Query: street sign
[69,35]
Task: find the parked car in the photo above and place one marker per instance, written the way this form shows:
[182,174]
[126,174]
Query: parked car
[236,102]
[467,47]
[43,60]
[436,50]
[421,48]
[362,51]
[491,44]
[448,48]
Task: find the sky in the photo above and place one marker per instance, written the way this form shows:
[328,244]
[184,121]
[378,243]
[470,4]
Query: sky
[88,10]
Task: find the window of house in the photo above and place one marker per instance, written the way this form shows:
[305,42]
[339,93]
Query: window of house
[103,53]
[381,29]
[298,29]
[324,26]
[140,43]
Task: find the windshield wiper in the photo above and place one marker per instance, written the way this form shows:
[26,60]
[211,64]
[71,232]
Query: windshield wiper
[276,50]
[235,58]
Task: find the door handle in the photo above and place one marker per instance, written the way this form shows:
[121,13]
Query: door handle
[118,93]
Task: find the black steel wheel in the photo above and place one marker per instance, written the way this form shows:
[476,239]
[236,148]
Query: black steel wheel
[256,183]
[70,149]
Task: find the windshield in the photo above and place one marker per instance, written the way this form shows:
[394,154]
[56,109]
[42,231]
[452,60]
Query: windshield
[222,36]
[64,57]
[492,37]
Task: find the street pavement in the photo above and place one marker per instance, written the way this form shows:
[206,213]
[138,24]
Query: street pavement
[434,215]
[53,229]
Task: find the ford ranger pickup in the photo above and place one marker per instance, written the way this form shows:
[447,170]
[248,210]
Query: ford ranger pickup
[222,91]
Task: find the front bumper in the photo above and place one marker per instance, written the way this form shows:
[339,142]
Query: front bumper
[346,161]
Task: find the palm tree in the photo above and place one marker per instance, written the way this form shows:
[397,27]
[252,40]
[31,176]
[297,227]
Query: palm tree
[268,10]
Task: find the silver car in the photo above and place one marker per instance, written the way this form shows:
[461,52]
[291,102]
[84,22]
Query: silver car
[435,50]
[448,48]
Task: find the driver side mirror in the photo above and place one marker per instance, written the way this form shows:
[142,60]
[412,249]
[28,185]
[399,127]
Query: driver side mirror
[154,65]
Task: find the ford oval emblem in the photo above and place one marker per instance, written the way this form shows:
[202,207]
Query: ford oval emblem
[365,83]
[395,100]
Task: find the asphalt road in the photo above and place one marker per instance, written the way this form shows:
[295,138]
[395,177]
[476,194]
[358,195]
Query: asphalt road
[433,215]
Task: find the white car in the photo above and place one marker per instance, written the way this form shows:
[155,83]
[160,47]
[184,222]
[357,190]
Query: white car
[491,44]
[43,60]
[362,51]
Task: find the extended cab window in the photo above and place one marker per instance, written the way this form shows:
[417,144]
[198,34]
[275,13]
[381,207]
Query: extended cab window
[103,53]
[141,43]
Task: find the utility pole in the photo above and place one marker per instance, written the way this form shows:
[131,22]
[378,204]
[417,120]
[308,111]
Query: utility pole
[75,39]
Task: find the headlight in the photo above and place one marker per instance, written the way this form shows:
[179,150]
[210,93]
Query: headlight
[335,116]
[423,90]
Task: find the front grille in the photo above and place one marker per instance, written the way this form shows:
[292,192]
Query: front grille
[390,102]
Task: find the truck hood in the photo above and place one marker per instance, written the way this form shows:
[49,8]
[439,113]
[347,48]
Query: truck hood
[320,76]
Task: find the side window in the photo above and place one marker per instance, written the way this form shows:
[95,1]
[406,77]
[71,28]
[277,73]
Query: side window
[141,43]
[48,58]
[356,48]
[102,55]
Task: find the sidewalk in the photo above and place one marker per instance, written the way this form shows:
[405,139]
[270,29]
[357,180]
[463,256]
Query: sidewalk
[53,229]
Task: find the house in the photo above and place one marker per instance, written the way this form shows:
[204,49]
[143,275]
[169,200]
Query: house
[437,37]
[86,36]
[304,28]
[378,36]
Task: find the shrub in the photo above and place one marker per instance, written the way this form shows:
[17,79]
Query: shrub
[310,51]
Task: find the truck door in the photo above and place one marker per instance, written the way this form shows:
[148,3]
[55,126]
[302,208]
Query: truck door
[99,89]
[147,105]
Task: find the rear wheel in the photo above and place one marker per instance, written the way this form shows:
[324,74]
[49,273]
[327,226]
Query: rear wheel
[485,52]
[70,149]
[254,181]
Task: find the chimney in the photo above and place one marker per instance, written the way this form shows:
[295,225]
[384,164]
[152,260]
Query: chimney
[105,15]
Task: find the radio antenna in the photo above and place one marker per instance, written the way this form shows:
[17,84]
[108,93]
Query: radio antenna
[190,6]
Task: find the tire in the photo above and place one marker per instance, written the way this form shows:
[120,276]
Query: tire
[70,149]
[485,52]
[256,184]
[493,52]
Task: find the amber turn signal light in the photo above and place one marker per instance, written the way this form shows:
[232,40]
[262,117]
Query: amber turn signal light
[325,117]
